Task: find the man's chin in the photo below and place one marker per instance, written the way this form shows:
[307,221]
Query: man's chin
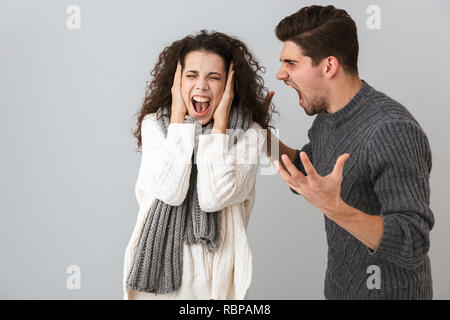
[312,109]
[309,112]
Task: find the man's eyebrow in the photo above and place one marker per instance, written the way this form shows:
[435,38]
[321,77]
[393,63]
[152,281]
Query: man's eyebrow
[288,60]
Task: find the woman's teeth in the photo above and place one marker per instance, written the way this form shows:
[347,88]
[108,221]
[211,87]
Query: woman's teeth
[200,99]
[201,104]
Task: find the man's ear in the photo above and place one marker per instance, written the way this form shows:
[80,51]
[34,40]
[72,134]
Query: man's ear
[330,67]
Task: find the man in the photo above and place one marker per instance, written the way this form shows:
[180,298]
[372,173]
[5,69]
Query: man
[376,207]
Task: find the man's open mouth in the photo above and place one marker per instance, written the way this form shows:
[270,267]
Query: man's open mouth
[300,96]
[201,104]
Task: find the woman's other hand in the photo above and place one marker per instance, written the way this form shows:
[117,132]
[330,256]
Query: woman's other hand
[222,111]
[179,108]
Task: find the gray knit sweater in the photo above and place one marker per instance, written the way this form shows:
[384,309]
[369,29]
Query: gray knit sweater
[387,174]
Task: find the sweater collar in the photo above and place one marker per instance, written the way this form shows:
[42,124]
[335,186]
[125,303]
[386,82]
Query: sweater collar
[350,108]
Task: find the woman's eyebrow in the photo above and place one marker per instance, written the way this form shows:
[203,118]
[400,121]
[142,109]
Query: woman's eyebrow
[209,73]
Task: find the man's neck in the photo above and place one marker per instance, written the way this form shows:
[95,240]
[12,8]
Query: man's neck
[343,93]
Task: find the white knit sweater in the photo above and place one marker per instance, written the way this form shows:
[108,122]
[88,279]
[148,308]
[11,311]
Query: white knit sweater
[226,182]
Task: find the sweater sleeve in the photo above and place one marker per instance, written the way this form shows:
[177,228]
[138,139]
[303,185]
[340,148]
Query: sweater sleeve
[298,163]
[400,165]
[226,175]
[166,162]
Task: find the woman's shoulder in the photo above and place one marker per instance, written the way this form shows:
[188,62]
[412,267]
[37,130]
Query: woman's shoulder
[150,125]
[150,117]
[255,125]
[150,120]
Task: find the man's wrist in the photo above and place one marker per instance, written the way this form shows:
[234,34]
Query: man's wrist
[337,211]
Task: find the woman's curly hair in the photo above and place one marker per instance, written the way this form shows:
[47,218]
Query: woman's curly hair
[249,90]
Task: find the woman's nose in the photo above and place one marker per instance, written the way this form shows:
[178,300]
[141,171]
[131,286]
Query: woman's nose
[202,84]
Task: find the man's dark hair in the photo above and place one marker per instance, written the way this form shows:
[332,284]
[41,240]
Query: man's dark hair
[322,32]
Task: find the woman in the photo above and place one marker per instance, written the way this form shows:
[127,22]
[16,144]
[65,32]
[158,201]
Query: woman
[196,180]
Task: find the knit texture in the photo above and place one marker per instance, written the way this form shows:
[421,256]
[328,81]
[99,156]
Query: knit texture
[387,174]
[157,267]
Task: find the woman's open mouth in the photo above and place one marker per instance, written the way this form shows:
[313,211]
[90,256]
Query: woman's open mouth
[201,104]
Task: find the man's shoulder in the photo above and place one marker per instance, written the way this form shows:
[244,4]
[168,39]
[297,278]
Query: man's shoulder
[386,109]
[396,129]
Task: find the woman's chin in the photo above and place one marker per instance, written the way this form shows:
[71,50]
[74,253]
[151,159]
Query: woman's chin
[204,119]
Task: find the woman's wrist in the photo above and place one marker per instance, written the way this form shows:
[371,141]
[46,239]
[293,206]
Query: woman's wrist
[220,126]
[177,117]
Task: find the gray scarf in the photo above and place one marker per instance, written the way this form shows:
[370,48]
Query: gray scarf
[158,262]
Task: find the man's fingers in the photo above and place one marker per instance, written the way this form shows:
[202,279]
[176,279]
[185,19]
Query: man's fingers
[339,166]
[268,100]
[291,177]
[293,171]
[309,168]
[282,172]
[268,142]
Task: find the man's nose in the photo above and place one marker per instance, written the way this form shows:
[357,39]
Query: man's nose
[281,74]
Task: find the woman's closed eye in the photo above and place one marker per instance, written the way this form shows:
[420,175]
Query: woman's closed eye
[193,76]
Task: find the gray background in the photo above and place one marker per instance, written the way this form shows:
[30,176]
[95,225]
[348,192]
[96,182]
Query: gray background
[68,160]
